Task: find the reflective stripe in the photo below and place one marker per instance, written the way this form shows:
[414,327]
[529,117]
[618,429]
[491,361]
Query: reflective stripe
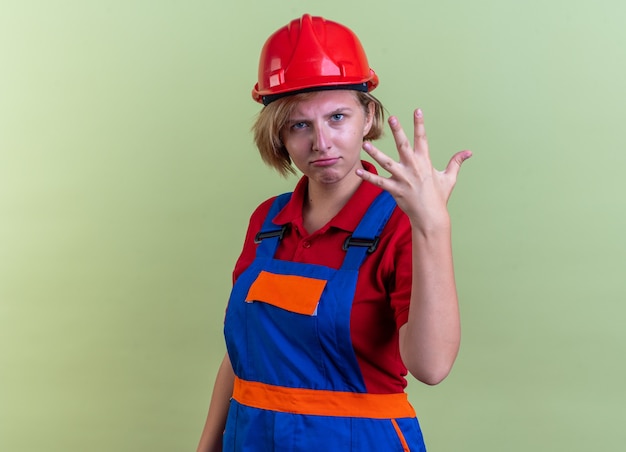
[405,446]
[321,403]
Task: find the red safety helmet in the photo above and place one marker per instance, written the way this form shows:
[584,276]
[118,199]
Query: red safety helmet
[311,54]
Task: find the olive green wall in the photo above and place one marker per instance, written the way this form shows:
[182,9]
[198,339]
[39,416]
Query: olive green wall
[127,175]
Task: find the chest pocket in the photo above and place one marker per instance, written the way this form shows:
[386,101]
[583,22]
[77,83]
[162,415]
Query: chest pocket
[293,293]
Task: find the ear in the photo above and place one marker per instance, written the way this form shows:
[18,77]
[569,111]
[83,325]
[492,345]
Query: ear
[369,118]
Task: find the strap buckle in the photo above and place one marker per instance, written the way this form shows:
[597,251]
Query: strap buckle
[270,234]
[370,244]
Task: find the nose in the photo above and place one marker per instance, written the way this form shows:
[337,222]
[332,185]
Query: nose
[321,139]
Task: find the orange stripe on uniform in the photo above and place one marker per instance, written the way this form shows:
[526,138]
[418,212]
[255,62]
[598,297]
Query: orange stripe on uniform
[290,292]
[405,446]
[321,403]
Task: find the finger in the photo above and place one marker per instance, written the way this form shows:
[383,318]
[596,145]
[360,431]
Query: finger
[381,158]
[403,145]
[454,165]
[420,141]
[372,178]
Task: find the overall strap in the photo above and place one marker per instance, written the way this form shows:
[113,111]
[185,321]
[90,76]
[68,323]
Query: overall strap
[365,238]
[270,233]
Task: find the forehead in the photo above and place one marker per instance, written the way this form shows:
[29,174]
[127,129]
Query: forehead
[323,102]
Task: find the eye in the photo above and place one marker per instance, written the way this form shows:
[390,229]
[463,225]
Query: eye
[298,125]
[337,117]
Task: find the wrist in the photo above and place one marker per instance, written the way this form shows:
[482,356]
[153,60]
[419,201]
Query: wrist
[434,226]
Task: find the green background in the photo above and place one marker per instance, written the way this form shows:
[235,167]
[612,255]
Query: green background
[127,175]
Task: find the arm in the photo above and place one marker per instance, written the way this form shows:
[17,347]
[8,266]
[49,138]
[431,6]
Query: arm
[429,341]
[211,439]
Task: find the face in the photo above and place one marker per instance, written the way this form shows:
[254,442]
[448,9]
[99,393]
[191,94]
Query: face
[324,135]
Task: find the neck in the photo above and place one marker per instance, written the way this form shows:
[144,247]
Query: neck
[324,201]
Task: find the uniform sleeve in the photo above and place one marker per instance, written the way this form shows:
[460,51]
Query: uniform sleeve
[249,247]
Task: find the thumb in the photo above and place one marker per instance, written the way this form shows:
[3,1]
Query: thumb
[454,165]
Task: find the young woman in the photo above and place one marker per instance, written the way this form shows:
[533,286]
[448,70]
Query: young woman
[345,285]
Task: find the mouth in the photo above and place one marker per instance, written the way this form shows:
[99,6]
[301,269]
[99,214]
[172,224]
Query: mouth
[327,161]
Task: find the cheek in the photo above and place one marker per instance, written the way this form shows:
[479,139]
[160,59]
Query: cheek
[357,135]
[297,142]
[295,148]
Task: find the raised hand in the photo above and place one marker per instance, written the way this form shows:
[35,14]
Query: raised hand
[420,190]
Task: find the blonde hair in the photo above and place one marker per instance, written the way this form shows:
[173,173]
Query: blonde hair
[273,117]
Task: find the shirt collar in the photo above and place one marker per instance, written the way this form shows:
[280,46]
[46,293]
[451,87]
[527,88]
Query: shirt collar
[348,217]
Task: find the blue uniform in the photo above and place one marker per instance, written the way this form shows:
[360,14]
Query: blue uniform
[298,386]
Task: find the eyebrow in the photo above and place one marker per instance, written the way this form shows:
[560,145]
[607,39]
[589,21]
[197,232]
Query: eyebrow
[339,110]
